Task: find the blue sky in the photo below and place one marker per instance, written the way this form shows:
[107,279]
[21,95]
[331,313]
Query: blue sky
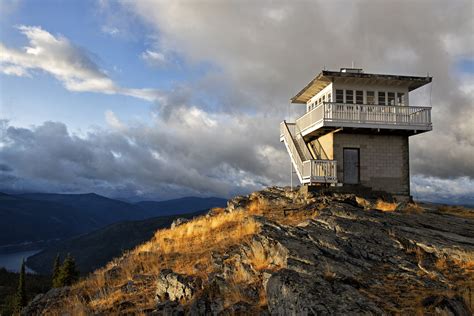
[118,53]
[164,99]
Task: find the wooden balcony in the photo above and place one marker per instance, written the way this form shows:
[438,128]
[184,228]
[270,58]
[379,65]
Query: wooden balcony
[329,116]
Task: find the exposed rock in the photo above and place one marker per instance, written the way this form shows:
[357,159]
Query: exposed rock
[129,287]
[175,287]
[293,293]
[113,273]
[179,221]
[168,308]
[43,302]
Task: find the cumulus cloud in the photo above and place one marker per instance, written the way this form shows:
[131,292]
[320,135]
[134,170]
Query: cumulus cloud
[450,191]
[68,63]
[261,54]
[266,51]
[185,154]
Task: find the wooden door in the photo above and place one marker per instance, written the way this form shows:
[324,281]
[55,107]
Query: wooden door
[351,165]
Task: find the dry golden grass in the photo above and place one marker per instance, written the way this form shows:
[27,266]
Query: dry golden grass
[279,214]
[363,202]
[385,206]
[457,210]
[413,208]
[186,249]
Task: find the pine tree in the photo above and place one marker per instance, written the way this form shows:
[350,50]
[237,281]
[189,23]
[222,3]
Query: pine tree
[68,273]
[56,269]
[21,299]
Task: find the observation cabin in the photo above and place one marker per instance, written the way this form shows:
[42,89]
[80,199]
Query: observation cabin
[355,130]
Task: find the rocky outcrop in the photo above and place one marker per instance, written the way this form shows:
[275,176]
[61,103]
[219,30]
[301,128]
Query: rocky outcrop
[43,302]
[172,286]
[327,254]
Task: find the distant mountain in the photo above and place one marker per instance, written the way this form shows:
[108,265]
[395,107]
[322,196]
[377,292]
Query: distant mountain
[95,249]
[99,208]
[177,206]
[37,217]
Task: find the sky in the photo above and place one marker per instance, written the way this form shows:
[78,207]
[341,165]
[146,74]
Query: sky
[163,99]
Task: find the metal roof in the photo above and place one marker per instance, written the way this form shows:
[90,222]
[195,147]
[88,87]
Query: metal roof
[326,77]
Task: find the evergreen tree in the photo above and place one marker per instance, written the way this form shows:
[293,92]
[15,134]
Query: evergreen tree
[21,299]
[56,269]
[68,273]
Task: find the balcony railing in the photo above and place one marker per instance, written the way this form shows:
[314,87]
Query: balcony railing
[390,116]
[321,171]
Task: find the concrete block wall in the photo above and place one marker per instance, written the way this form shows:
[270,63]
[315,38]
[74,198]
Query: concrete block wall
[384,160]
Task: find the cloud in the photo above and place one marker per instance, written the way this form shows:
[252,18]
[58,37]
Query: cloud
[266,51]
[110,30]
[68,63]
[154,58]
[450,191]
[218,135]
[187,153]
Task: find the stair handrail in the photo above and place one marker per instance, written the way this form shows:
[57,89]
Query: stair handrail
[302,144]
[289,141]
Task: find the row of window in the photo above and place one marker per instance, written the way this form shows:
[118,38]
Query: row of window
[371,97]
[322,99]
[357,97]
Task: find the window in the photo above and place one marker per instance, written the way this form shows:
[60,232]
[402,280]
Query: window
[324,98]
[329,97]
[400,98]
[349,96]
[370,97]
[391,98]
[340,96]
[319,101]
[359,97]
[381,98]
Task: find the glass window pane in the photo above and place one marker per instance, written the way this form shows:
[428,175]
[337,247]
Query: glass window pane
[370,97]
[391,98]
[329,97]
[359,97]
[382,97]
[349,96]
[340,96]
[400,98]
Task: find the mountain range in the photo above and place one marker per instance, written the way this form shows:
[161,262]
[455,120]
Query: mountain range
[38,217]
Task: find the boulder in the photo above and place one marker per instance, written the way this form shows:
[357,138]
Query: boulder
[172,286]
[179,221]
[43,302]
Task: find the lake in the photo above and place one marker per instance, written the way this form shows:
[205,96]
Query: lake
[12,261]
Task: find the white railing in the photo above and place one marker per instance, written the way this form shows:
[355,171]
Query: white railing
[405,116]
[320,171]
[291,147]
[308,170]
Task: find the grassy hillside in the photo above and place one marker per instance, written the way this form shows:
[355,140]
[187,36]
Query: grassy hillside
[95,249]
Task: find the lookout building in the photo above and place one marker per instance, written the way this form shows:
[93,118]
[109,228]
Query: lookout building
[355,130]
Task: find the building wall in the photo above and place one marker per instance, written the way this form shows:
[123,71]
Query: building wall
[313,102]
[326,142]
[384,161]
